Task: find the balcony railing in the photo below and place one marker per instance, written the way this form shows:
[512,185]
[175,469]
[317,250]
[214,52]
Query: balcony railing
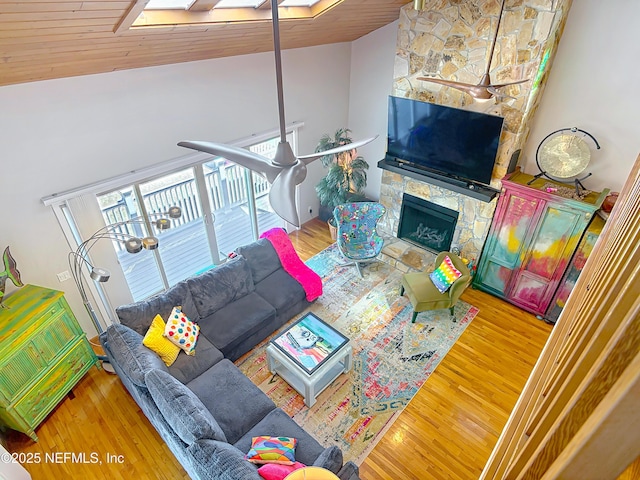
[226,188]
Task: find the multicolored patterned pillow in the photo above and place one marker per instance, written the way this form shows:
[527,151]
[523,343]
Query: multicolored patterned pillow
[181,331]
[265,449]
[155,340]
[444,276]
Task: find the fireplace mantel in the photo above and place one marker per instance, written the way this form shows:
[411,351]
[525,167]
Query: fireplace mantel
[471,189]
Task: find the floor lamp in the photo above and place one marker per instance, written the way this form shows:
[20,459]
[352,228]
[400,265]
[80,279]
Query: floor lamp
[79,258]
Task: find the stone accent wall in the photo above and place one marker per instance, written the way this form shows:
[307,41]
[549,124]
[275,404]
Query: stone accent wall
[451,39]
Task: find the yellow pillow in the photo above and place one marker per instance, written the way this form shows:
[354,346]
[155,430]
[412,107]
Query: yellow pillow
[156,341]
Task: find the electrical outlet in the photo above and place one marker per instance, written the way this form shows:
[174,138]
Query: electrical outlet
[310,211]
[63,276]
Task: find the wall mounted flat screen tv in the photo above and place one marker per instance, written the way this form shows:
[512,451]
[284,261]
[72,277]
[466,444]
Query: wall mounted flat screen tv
[443,140]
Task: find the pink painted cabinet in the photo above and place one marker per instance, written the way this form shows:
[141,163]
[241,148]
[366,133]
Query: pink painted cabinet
[531,241]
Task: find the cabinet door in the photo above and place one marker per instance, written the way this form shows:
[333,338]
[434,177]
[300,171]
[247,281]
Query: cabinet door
[554,240]
[515,218]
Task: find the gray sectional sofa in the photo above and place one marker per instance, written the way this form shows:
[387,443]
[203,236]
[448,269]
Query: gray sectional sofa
[204,408]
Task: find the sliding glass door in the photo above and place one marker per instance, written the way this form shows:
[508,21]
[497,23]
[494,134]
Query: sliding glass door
[223,206]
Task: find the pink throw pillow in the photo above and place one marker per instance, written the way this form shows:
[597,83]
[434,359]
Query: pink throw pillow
[275,471]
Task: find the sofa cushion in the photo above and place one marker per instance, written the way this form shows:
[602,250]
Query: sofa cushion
[221,461]
[216,288]
[182,409]
[187,367]
[233,400]
[261,257]
[330,458]
[234,325]
[132,356]
[138,316]
[278,423]
[281,290]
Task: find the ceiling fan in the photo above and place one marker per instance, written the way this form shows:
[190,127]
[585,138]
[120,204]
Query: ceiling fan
[484,89]
[285,171]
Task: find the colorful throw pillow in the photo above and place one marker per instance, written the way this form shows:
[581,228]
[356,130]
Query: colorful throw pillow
[274,471]
[156,341]
[444,276]
[265,449]
[181,331]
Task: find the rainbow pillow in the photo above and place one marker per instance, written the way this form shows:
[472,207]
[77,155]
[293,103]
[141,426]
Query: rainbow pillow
[444,276]
[265,449]
[181,331]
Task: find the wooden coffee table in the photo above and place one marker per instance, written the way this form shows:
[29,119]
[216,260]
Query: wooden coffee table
[309,356]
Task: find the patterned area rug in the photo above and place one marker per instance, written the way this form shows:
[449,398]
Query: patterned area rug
[392,357]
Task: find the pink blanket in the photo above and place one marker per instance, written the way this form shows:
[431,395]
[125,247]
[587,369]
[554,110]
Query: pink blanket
[310,280]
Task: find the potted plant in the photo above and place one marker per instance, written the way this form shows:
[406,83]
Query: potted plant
[346,176]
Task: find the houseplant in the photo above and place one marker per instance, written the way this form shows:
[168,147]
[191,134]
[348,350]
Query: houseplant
[346,176]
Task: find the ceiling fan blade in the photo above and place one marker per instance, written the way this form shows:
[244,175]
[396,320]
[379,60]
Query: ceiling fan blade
[344,148]
[496,93]
[282,195]
[476,91]
[500,85]
[241,156]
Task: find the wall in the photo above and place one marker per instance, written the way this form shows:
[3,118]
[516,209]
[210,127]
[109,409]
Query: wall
[60,134]
[593,86]
[372,59]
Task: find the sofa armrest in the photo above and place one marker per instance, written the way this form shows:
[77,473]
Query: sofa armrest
[349,471]
[330,458]
[220,461]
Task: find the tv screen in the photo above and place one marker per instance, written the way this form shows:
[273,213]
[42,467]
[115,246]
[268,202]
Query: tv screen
[445,140]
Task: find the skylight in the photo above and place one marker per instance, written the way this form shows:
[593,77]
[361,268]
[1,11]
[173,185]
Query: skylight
[298,3]
[239,3]
[169,4]
[172,13]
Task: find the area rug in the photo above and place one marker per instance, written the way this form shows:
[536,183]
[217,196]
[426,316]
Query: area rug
[392,357]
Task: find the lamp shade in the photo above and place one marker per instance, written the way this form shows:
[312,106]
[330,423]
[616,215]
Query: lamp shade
[163,224]
[100,274]
[311,473]
[150,243]
[174,212]
[133,244]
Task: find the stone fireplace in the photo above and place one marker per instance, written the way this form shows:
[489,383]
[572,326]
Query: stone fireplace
[426,224]
[450,39]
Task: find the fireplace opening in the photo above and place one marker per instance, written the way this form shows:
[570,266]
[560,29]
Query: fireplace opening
[426,224]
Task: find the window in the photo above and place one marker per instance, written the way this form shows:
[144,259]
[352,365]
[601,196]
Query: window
[223,206]
[234,198]
[158,13]
[169,4]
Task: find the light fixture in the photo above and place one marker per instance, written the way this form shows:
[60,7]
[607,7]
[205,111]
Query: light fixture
[418,5]
[79,259]
[285,171]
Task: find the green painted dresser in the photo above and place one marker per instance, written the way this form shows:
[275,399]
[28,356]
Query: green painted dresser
[43,354]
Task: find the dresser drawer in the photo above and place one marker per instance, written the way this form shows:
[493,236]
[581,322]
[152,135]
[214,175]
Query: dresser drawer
[59,380]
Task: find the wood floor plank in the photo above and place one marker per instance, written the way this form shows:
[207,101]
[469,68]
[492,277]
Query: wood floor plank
[446,432]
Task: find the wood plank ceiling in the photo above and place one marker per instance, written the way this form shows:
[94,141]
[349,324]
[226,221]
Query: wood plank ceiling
[46,39]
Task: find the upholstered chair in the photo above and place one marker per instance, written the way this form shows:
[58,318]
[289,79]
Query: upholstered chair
[357,238]
[423,293]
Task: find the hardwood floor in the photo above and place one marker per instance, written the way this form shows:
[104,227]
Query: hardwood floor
[446,432]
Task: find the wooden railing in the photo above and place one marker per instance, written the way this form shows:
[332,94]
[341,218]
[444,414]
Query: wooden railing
[227,187]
